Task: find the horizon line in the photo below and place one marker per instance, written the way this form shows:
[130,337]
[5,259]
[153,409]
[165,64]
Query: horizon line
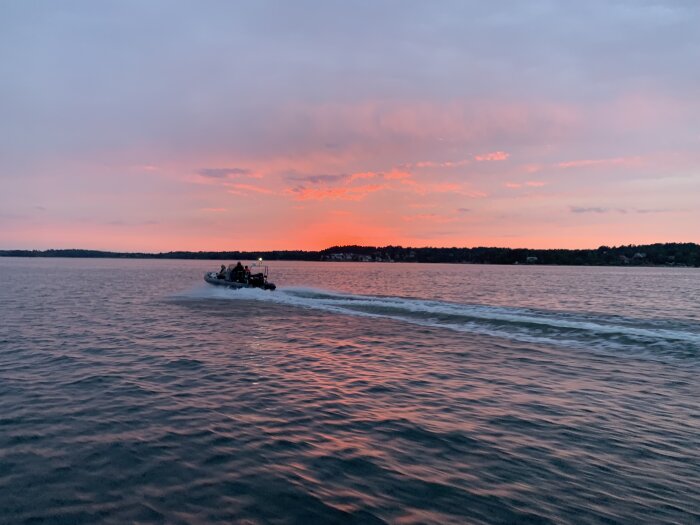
[336,246]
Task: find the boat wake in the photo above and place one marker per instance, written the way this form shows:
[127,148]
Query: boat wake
[657,337]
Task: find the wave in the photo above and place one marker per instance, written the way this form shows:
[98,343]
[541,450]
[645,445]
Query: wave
[659,337]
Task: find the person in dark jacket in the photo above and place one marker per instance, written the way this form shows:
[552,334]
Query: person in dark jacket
[238,273]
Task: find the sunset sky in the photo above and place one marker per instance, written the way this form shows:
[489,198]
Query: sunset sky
[219,125]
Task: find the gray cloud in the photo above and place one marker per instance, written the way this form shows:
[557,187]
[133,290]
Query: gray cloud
[222,173]
[595,209]
[318,179]
[578,209]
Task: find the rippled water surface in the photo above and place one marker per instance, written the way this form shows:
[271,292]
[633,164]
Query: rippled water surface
[131,391]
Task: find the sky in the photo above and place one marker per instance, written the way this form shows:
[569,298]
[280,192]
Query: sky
[162,125]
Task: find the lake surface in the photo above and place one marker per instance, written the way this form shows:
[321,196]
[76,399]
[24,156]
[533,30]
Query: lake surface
[131,391]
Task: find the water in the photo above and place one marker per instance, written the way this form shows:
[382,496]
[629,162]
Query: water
[130,391]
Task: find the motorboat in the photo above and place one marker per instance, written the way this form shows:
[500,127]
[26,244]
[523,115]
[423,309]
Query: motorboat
[257,278]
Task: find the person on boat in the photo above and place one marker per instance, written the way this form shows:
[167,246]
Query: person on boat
[238,273]
[222,272]
[246,273]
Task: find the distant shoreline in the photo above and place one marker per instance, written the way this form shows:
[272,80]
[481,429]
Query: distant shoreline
[666,254]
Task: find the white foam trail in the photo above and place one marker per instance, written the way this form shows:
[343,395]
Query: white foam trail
[517,323]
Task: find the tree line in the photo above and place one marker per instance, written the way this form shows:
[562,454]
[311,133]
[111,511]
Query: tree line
[660,254]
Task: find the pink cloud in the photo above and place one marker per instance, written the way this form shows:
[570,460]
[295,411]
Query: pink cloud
[493,156]
[355,193]
[443,187]
[362,175]
[395,129]
[423,188]
[429,217]
[146,167]
[238,188]
[434,164]
[396,174]
[617,161]
[532,168]
[529,184]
